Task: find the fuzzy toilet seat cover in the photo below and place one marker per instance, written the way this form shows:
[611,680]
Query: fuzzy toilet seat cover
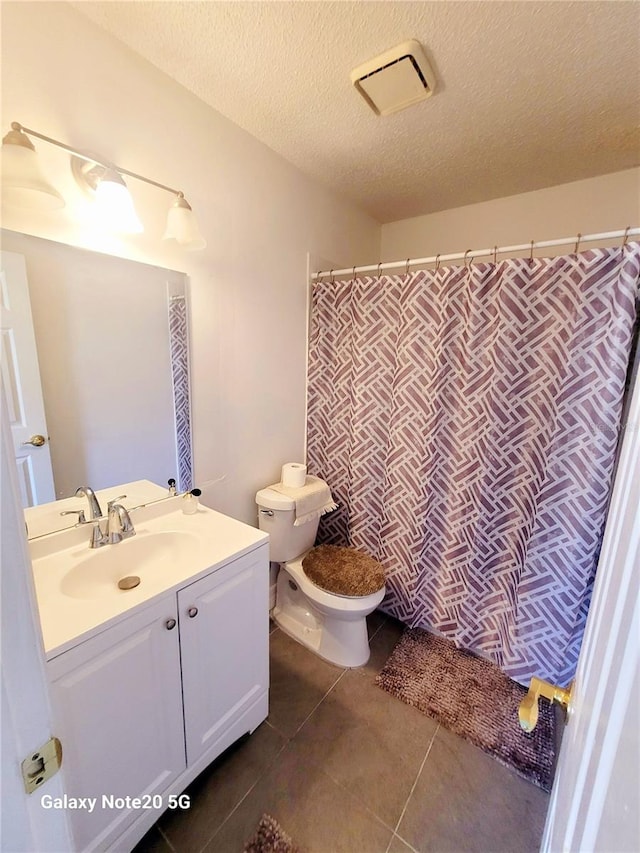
[343,571]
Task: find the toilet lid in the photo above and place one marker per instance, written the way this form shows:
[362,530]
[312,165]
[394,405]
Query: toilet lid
[343,571]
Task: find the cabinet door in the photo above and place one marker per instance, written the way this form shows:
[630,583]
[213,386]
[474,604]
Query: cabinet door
[118,705]
[224,638]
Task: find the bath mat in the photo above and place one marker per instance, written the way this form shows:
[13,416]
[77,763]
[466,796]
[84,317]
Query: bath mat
[472,698]
[269,837]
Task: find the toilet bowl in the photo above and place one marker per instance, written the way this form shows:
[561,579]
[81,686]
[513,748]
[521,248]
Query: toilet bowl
[331,625]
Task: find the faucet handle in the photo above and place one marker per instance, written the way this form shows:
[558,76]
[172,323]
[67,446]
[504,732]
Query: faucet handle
[115,501]
[78,512]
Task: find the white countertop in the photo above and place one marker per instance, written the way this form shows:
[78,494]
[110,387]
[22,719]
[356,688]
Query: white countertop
[211,540]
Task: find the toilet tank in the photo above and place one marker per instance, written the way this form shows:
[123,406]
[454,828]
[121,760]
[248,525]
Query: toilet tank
[276,514]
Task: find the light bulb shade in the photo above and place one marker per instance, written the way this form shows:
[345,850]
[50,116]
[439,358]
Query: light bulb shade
[115,206]
[182,226]
[23,183]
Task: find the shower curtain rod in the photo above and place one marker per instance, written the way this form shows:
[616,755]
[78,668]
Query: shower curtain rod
[470,254]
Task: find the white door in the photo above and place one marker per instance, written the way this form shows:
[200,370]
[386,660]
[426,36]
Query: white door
[25,826]
[594,802]
[21,380]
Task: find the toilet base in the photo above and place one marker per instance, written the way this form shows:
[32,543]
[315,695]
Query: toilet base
[340,641]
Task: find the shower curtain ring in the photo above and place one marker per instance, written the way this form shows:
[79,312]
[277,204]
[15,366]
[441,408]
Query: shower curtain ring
[406,269]
[437,263]
[353,274]
[495,255]
[531,253]
[626,234]
[332,276]
[319,275]
[467,263]
[577,246]
[379,265]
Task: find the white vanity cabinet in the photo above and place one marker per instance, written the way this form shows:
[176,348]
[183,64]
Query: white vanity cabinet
[192,662]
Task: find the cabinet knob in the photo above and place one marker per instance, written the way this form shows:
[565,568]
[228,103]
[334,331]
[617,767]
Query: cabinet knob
[192,611]
[171,624]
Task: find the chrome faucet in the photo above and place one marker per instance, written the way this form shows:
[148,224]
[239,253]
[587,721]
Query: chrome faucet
[119,524]
[94,506]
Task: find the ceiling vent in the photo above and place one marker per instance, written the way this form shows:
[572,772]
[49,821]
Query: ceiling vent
[396,79]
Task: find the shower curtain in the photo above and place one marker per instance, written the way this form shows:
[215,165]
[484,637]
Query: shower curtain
[466,420]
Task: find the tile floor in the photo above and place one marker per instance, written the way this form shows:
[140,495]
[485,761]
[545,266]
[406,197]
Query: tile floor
[346,768]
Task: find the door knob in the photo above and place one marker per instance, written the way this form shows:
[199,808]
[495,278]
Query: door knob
[192,611]
[170,624]
[528,709]
[36,440]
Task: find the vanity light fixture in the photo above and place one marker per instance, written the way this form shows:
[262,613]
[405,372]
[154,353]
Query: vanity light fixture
[24,185]
[114,205]
[182,225]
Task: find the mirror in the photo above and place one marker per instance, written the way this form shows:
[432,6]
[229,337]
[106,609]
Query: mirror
[112,346]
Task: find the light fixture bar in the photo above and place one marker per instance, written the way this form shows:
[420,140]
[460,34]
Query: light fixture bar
[17,126]
[23,185]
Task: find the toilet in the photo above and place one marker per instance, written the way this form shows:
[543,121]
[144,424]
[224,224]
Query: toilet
[332,625]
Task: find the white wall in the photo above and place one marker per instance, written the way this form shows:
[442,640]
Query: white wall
[67,78]
[607,203]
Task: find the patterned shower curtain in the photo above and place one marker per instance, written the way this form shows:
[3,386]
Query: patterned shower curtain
[466,420]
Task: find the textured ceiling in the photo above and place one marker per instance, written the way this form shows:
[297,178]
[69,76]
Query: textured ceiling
[529,94]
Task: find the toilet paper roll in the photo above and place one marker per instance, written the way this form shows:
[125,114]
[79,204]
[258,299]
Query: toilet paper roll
[294,475]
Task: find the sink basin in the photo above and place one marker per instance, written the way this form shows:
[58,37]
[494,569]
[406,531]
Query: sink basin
[98,574]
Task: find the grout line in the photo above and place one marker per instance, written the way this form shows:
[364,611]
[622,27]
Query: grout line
[415,781]
[404,841]
[413,787]
[360,802]
[244,797]
[284,746]
[291,737]
[381,625]
[167,841]
[320,702]
[276,729]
